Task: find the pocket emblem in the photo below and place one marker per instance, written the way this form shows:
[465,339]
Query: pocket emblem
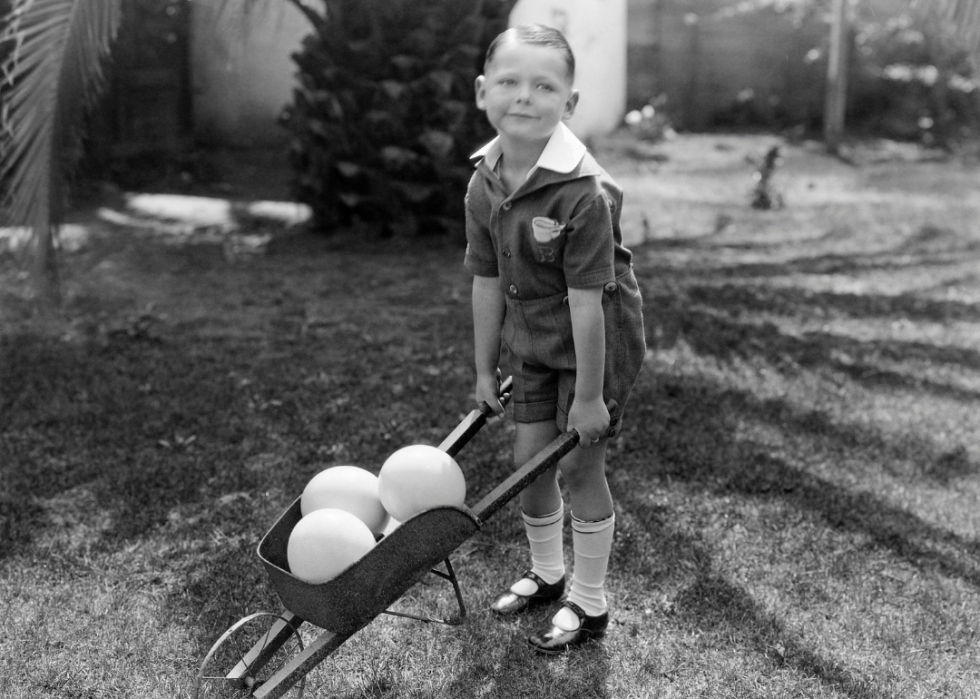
[545,229]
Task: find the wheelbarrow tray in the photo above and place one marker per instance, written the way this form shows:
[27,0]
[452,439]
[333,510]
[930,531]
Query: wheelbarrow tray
[371,584]
[344,605]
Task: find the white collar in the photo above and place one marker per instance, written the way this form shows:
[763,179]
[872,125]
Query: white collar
[561,154]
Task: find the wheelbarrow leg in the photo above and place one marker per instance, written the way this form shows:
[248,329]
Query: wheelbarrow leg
[455,620]
[266,647]
[299,665]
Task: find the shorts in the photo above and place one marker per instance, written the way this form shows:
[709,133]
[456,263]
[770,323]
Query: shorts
[544,386]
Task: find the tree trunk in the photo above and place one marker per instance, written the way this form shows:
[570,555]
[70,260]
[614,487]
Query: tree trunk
[46,278]
[45,257]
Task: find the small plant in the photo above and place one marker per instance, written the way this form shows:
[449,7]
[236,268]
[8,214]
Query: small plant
[764,194]
[650,123]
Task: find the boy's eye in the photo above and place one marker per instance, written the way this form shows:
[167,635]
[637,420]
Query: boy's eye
[546,87]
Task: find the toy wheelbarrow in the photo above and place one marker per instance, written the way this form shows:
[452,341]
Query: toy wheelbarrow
[277,661]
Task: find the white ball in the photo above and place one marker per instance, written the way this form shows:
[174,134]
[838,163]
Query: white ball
[418,478]
[326,542]
[348,488]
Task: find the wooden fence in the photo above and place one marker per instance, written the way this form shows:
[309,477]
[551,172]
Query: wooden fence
[715,71]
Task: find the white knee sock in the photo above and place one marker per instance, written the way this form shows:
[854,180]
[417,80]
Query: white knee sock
[544,535]
[592,542]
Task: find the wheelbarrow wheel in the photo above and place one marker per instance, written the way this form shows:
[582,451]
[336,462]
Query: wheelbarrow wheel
[245,656]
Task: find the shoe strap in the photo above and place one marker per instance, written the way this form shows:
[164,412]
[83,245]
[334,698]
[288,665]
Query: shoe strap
[531,575]
[576,610]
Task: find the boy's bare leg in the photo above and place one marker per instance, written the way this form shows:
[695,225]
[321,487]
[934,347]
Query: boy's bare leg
[542,496]
[542,510]
[584,472]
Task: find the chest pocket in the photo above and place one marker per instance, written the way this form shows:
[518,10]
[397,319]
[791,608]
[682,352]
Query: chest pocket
[547,238]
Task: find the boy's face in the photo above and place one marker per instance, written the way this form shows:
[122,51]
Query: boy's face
[526,91]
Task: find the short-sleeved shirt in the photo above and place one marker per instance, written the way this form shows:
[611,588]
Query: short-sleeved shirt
[560,229]
[569,189]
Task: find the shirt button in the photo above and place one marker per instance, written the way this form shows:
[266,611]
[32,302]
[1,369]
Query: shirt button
[506,252]
[513,290]
[611,287]
[506,206]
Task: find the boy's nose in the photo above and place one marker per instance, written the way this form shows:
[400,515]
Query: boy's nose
[524,94]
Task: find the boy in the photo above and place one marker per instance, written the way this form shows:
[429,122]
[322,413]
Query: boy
[554,283]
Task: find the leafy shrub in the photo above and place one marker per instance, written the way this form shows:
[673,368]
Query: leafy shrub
[383,118]
[910,81]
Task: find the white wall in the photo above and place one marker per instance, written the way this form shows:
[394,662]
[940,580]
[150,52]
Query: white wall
[596,30]
[241,71]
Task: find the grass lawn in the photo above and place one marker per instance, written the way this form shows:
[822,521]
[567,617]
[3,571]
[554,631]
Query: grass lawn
[797,486]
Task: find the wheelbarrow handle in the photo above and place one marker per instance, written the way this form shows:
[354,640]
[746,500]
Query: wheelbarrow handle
[538,464]
[522,477]
[477,418]
[504,388]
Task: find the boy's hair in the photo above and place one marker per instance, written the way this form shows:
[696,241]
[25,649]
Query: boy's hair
[537,35]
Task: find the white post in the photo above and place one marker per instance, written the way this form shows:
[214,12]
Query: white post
[836,99]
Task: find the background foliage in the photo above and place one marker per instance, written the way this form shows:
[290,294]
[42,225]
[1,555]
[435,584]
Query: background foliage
[912,73]
[912,80]
[382,120]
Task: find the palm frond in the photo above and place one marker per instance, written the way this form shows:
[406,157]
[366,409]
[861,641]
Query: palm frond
[52,77]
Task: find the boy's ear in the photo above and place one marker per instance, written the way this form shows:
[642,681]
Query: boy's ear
[481,93]
[570,106]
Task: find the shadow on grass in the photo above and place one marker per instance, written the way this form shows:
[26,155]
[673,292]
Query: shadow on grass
[151,416]
[707,602]
[715,322]
[117,419]
[715,603]
[790,302]
[687,411]
[520,672]
[918,251]
[689,437]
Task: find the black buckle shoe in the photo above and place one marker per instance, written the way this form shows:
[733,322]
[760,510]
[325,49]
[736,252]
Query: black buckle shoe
[512,603]
[552,639]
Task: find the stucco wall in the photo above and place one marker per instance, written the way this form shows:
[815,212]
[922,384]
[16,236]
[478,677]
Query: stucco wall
[596,30]
[242,73]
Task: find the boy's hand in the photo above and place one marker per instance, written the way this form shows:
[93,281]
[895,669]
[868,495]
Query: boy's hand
[590,418]
[487,391]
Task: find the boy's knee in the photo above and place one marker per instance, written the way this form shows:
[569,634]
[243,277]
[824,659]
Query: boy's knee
[583,466]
